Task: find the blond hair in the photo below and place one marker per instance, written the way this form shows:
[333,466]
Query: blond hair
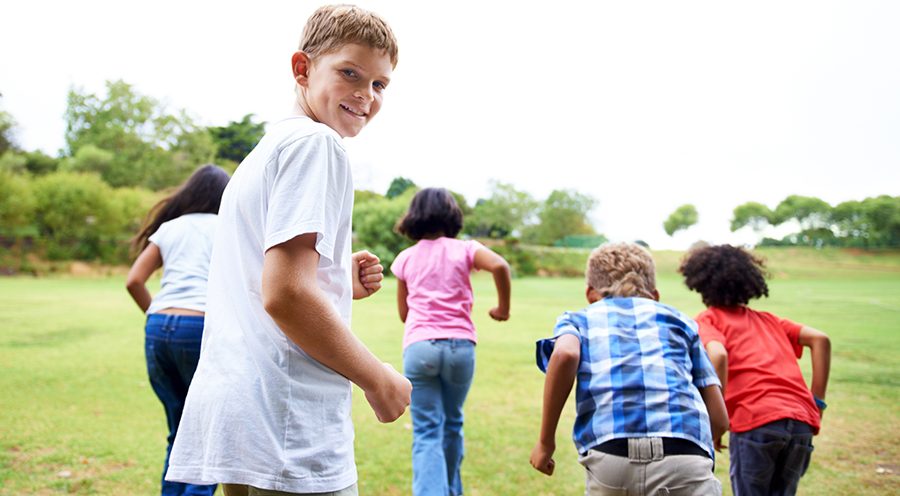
[621,270]
[332,26]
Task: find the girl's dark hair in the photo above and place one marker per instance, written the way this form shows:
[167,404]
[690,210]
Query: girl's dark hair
[432,212]
[724,275]
[201,193]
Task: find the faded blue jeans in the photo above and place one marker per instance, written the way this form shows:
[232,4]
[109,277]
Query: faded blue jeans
[440,371]
[172,348]
[769,460]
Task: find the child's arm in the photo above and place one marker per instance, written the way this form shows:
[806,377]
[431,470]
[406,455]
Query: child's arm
[718,355]
[147,262]
[718,415]
[820,350]
[292,297]
[402,293]
[561,373]
[486,259]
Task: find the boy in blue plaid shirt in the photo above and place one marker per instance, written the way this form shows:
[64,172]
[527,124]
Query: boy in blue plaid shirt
[648,401]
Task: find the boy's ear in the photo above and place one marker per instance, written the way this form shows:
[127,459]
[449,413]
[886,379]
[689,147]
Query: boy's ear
[592,295]
[300,64]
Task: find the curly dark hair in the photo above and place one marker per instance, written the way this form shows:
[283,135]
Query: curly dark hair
[432,212]
[724,275]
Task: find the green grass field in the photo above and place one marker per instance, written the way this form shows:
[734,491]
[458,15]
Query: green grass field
[77,414]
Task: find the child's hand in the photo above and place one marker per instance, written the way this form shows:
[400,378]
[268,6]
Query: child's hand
[367,274]
[499,315]
[391,397]
[542,458]
[717,444]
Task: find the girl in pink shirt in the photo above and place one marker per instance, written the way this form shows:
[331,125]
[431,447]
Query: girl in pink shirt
[434,297]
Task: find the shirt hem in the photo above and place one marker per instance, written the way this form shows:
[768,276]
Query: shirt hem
[207,476]
[749,426]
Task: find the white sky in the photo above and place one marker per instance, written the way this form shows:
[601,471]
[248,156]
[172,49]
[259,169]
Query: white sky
[644,105]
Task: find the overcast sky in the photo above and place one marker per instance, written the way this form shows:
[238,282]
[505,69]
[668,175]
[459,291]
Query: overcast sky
[644,105]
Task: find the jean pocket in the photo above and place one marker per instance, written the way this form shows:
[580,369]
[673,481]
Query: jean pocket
[756,460]
[797,460]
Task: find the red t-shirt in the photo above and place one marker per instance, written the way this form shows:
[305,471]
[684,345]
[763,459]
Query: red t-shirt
[764,379]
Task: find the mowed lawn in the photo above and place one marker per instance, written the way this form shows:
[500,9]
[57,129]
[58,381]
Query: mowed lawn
[77,414]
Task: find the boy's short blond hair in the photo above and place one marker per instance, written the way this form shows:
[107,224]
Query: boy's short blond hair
[332,26]
[621,270]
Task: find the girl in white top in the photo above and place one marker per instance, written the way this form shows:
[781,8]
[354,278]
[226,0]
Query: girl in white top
[178,236]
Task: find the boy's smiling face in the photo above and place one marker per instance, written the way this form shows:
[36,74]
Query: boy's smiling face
[343,89]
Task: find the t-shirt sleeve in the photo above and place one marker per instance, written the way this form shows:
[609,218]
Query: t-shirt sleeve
[307,194]
[708,330]
[702,370]
[161,235]
[472,247]
[567,323]
[792,330]
[398,266]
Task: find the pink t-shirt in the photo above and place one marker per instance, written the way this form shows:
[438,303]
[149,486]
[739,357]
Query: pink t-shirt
[436,273]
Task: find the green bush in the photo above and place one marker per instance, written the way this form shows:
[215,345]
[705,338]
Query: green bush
[373,226]
[74,216]
[16,203]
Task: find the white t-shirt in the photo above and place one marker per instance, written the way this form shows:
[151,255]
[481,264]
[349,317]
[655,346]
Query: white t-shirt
[185,244]
[260,411]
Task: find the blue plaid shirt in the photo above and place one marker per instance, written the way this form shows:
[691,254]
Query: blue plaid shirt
[641,366]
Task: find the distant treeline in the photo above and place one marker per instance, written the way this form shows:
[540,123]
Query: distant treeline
[870,223]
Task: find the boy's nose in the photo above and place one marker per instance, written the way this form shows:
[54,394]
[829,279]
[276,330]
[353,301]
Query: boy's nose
[366,93]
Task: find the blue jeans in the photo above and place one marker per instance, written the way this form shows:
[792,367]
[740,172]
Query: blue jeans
[172,348]
[770,459]
[440,371]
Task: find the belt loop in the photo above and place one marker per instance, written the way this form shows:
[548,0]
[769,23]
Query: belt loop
[639,450]
[656,449]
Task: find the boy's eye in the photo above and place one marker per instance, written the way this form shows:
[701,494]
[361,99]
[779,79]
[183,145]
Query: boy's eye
[378,85]
[350,73]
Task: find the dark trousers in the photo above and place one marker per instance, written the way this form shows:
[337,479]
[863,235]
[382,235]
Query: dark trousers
[769,460]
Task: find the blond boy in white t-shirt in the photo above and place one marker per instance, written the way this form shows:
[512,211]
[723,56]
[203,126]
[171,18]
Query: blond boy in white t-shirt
[269,407]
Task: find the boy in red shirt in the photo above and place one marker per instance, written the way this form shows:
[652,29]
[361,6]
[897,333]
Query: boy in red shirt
[773,414]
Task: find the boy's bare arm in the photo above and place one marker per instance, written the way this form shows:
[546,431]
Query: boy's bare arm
[820,350]
[402,293]
[486,259]
[293,299]
[561,373]
[718,355]
[146,263]
[718,414]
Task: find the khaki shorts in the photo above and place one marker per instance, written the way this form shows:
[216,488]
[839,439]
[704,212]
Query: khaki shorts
[242,490]
[647,471]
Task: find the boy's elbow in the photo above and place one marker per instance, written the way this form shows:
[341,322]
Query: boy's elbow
[133,284]
[278,299]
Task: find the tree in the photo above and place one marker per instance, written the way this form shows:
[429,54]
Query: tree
[753,214]
[399,186]
[505,212]
[237,139]
[373,226]
[808,211]
[563,213]
[151,147]
[682,218]
[7,124]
